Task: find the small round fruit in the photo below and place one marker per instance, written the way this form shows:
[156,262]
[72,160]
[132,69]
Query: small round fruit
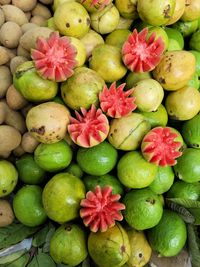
[127,8]
[197,57]
[107,62]
[187,167]
[181,189]
[183,104]
[186,28]
[140,248]
[97,160]
[195,41]
[134,77]
[134,171]
[29,171]
[106,20]
[6,213]
[42,122]
[163,181]
[156,13]
[31,85]
[82,89]
[110,248]
[143,209]
[149,95]
[91,182]
[126,133]
[81,51]
[72,19]
[169,236]
[8,177]
[158,117]
[191,11]
[67,191]
[27,206]
[171,72]
[178,12]
[74,169]
[53,157]
[68,245]
[117,37]
[176,40]
[191,130]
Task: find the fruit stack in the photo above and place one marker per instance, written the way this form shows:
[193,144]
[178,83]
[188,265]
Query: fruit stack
[99,132]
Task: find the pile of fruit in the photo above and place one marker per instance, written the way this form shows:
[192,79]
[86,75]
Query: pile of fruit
[99,132]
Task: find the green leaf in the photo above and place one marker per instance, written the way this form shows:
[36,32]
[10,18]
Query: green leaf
[12,257]
[21,262]
[196,214]
[48,238]
[42,260]
[14,233]
[40,237]
[183,212]
[187,203]
[193,245]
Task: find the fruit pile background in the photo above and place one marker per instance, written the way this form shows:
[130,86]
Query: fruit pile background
[99,133]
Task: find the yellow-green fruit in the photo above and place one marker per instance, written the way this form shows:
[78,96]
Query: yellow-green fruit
[91,40]
[183,104]
[72,19]
[140,248]
[107,62]
[117,37]
[127,8]
[56,3]
[48,122]
[124,23]
[91,7]
[132,78]
[192,10]
[149,95]
[110,248]
[126,133]
[178,12]
[81,51]
[175,69]
[51,24]
[106,20]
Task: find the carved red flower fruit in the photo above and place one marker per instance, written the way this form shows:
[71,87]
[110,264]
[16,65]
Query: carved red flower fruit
[160,146]
[141,53]
[115,102]
[90,128]
[54,57]
[101,209]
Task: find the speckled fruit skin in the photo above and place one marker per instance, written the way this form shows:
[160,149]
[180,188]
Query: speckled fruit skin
[67,191]
[178,11]
[42,122]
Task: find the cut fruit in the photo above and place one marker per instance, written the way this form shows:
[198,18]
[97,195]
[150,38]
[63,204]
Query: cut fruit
[141,53]
[54,57]
[115,102]
[160,147]
[101,209]
[90,128]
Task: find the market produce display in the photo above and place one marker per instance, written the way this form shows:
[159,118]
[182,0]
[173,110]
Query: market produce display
[99,132]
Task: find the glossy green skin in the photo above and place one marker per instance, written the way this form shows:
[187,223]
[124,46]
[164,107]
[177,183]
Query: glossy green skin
[156,12]
[82,89]
[32,86]
[61,197]
[197,57]
[110,248]
[181,189]
[97,160]
[191,132]
[194,82]
[188,166]
[107,62]
[68,245]
[134,171]
[104,180]
[143,209]
[195,41]
[74,169]
[169,236]
[53,157]
[156,118]
[176,40]
[29,171]
[186,28]
[8,177]
[163,180]
[27,206]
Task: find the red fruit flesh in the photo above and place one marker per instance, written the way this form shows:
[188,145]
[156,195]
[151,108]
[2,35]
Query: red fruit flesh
[159,146]
[54,57]
[90,128]
[115,102]
[101,209]
[141,54]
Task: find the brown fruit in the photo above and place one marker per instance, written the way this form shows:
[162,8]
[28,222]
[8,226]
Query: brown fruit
[6,213]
